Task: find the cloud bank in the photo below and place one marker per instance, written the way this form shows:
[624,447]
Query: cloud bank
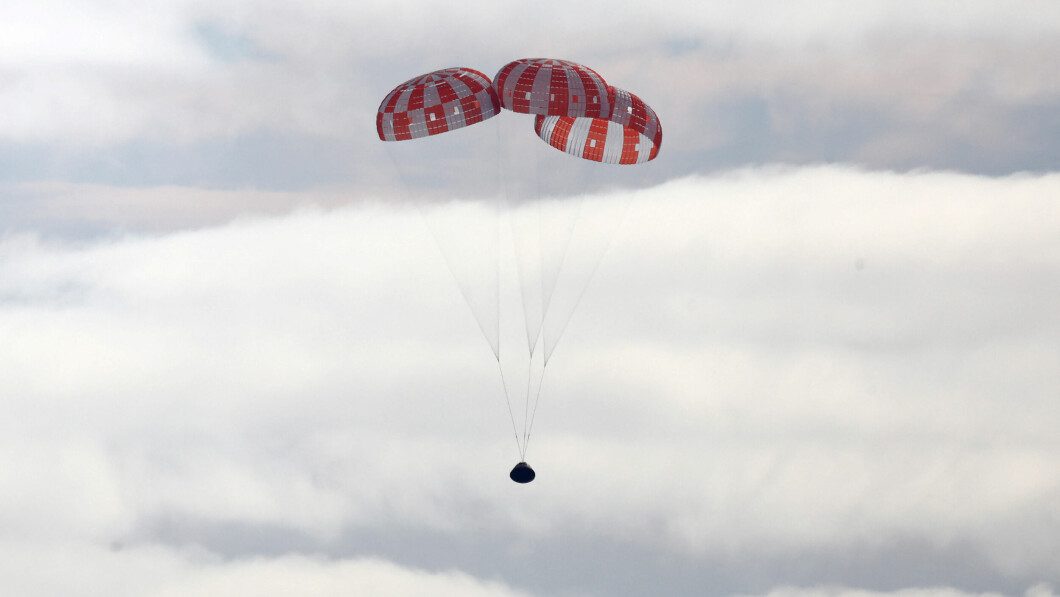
[781,377]
[279,97]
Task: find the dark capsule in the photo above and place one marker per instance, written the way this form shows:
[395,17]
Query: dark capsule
[522,473]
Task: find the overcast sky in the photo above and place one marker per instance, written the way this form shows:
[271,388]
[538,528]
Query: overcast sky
[820,355]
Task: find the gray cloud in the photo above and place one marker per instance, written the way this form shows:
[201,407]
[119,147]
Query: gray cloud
[160,572]
[1041,590]
[220,95]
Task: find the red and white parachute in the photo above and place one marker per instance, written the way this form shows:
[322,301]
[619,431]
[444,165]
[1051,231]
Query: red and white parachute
[435,103]
[576,112]
[550,87]
[631,134]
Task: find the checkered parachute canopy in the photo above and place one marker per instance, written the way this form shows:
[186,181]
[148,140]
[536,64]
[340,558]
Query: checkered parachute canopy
[631,134]
[551,87]
[435,103]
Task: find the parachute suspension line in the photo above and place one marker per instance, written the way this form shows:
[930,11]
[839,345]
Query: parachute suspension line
[496,350]
[526,271]
[541,266]
[445,256]
[547,352]
[533,414]
[592,274]
[497,204]
[522,274]
[546,295]
[463,292]
[547,300]
[526,400]
[497,241]
[508,401]
[536,198]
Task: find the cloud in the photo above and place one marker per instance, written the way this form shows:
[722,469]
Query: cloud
[294,575]
[222,94]
[117,570]
[68,210]
[780,376]
[1035,591]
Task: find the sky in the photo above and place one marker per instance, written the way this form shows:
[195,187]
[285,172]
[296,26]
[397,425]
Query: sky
[812,351]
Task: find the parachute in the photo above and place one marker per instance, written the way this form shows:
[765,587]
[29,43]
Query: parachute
[555,245]
[436,103]
[552,88]
[631,134]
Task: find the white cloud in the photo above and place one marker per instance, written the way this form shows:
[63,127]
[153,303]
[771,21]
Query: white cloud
[295,575]
[98,33]
[770,362]
[44,569]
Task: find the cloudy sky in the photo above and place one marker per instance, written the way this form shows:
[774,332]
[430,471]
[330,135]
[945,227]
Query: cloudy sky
[818,357]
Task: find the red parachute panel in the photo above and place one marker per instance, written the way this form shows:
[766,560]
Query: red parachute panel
[631,135]
[551,87]
[434,103]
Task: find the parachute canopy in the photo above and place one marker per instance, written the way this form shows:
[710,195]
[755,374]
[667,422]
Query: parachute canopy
[435,103]
[552,87]
[631,134]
